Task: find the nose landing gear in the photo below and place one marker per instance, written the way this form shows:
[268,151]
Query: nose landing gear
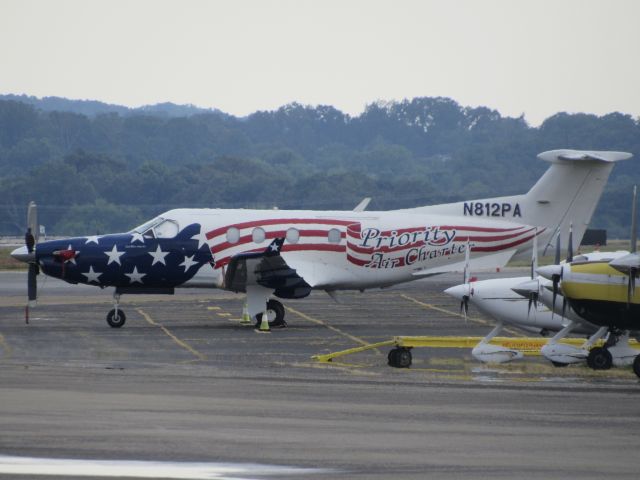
[116,317]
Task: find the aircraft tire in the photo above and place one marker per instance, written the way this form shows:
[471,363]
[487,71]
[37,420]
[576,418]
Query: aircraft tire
[278,309]
[559,364]
[116,321]
[404,358]
[399,358]
[600,359]
[636,365]
[391,357]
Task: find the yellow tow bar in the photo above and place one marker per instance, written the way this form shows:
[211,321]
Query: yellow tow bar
[526,345]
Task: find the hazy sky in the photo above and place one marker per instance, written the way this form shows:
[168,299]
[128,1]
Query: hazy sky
[535,57]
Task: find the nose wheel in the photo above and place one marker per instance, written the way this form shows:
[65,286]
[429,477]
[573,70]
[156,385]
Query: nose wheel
[116,317]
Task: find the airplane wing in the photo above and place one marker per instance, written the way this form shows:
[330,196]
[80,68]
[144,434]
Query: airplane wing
[628,264]
[361,207]
[267,269]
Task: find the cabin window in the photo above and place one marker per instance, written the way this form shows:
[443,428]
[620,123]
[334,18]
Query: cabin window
[293,235]
[334,235]
[258,235]
[233,235]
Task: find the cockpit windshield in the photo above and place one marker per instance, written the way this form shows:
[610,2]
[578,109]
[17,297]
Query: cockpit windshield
[158,228]
[147,225]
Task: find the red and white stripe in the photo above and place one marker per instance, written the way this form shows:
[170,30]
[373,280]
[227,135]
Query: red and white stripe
[314,233]
[482,240]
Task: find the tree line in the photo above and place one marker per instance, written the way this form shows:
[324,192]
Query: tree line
[111,170]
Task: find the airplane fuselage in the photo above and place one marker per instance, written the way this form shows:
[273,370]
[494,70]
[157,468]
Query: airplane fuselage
[330,250]
[599,294]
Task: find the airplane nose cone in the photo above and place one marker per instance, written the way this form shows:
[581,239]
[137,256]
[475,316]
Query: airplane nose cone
[549,271]
[526,288]
[457,292]
[23,254]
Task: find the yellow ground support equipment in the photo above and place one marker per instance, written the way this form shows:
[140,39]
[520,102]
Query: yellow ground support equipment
[400,355]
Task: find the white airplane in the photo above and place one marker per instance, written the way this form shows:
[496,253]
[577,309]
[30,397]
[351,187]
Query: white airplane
[602,292]
[526,302]
[286,254]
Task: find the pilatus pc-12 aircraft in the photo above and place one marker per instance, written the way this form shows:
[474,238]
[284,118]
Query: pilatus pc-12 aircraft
[286,254]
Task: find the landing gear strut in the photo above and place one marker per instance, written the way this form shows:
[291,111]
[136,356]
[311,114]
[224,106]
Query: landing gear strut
[400,357]
[116,317]
[275,315]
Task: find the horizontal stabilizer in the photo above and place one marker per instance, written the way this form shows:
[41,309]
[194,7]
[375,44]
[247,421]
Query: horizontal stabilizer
[555,156]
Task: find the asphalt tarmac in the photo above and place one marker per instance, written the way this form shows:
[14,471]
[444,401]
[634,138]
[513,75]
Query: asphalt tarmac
[184,391]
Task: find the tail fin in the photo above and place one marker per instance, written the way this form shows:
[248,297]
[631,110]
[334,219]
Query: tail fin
[568,192]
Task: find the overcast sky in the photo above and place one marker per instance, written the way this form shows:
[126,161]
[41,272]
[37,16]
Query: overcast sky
[534,57]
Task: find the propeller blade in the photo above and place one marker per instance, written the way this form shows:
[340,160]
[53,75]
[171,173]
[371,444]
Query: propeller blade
[32,284]
[556,282]
[634,220]
[556,261]
[631,286]
[32,220]
[534,254]
[570,246]
[533,301]
[464,306]
[467,256]
[30,240]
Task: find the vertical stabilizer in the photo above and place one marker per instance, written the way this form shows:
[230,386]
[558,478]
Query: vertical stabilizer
[566,194]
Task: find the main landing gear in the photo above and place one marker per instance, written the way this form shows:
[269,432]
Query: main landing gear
[400,357]
[599,358]
[615,352]
[275,315]
[116,317]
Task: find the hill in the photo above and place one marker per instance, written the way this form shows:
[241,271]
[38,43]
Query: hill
[107,169]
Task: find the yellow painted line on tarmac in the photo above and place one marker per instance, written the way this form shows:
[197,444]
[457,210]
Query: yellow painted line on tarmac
[442,310]
[213,308]
[332,328]
[4,346]
[181,343]
[224,314]
[455,314]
